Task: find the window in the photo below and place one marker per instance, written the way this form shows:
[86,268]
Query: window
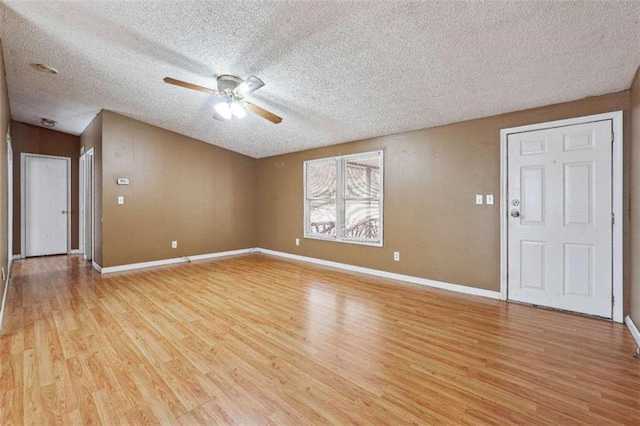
[343,198]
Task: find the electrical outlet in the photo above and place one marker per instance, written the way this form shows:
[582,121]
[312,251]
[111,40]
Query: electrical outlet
[396,256]
[4,278]
[120,199]
[174,244]
[297,241]
[489,199]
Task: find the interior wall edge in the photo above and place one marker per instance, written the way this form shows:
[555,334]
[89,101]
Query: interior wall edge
[91,137]
[632,293]
[5,131]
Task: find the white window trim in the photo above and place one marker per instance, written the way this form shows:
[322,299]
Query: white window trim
[340,204]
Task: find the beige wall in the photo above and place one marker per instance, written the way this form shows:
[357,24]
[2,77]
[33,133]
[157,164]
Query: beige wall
[430,217]
[180,189]
[38,140]
[92,138]
[634,255]
[5,117]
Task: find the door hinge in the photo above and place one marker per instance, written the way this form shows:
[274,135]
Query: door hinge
[613,218]
[613,138]
[613,300]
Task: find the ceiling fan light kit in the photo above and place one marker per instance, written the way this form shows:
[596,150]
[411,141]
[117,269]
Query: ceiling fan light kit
[223,109]
[228,109]
[238,110]
[230,96]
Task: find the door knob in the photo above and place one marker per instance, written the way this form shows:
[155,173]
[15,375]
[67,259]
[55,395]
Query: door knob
[515,213]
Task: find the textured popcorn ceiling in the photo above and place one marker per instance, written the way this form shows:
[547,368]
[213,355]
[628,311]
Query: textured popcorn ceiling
[334,71]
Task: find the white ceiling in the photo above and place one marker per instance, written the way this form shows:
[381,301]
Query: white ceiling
[335,71]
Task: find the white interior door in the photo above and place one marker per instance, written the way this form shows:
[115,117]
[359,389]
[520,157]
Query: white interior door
[45,204]
[560,217]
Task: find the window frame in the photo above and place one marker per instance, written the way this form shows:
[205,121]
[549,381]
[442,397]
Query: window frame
[340,199]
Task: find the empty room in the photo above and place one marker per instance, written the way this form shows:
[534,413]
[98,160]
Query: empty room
[320,212]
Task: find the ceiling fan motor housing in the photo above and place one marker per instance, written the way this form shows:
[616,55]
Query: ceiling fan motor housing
[227,83]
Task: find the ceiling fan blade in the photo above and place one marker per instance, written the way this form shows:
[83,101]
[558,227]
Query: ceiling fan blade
[181,83]
[251,84]
[262,113]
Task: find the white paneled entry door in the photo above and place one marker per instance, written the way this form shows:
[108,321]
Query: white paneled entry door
[45,204]
[559,217]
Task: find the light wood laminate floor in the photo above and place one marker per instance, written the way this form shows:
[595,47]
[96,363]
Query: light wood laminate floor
[257,340]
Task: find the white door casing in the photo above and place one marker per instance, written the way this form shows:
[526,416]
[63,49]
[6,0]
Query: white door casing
[564,179]
[81,207]
[45,204]
[9,201]
[88,193]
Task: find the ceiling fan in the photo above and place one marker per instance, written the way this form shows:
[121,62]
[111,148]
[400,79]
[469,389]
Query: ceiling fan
[230,96]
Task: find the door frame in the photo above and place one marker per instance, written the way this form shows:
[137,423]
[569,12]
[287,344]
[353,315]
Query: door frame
[88,191]
[9,203]
[617,198]
[81,206]
[23,200]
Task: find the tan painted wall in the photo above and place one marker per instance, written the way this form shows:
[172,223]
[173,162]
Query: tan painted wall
[634,256]
[180,189]
[430,217]
[38,140]
[5,117]
[92,138]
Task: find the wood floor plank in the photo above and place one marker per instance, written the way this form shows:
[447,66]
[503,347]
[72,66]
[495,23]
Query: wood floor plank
[254,339]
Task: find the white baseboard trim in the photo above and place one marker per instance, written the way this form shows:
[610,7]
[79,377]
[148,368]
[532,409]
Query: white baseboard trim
[4,298]
[75,251]
[141,265]
[375,272]
[17,256]
[392,275]
[220,254]
[96,266]
[633,329]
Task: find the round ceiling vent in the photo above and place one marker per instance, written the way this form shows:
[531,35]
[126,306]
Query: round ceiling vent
[47,122]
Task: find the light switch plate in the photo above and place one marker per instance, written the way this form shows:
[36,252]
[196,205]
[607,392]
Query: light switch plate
[297,241]
[396,256]
[489,199]
[479,199]
[120,199]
